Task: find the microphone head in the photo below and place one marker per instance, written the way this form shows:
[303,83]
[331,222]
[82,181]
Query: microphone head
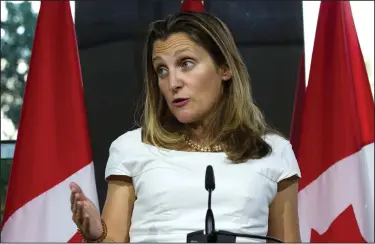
[210,178]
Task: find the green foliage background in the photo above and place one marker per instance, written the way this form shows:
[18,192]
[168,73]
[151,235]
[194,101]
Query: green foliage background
[17,33]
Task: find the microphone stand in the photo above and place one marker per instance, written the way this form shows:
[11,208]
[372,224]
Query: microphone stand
[223,236]
[220,236]
[210,222]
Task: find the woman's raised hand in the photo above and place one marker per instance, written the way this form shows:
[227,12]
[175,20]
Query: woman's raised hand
[84,214]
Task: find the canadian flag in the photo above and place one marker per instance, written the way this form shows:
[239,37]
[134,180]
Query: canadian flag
[192,5]
[53,147]
[335,135]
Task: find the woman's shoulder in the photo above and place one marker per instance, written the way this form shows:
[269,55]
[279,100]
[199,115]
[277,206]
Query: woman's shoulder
[282,161]
[130,137]
[123,153]
[276,141]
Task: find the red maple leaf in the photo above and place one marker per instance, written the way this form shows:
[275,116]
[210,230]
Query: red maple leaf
[343,229]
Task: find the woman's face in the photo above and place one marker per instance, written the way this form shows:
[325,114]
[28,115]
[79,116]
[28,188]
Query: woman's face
[188,77]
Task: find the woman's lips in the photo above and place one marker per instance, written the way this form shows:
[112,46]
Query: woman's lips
[180,102]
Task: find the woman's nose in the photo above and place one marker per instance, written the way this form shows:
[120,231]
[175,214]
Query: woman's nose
[175,81]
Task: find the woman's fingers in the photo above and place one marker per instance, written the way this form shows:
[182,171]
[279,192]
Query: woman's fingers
[75,188]
[85,222]
[71,202]
[77,202]
[79,208]
[74,206]
[73,197]
[77,198]
[78,213]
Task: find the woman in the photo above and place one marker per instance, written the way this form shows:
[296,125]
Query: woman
[198,111]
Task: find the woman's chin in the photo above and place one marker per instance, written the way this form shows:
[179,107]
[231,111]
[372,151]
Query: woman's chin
[185,118]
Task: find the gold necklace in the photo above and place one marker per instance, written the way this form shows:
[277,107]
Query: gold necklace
[197,147]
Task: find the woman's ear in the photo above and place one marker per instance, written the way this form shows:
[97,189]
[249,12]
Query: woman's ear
[225,73]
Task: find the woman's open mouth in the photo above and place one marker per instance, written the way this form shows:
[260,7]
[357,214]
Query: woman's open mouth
[180,102]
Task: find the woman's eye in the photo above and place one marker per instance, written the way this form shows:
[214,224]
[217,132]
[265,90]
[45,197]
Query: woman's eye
[161,71]
[187,64]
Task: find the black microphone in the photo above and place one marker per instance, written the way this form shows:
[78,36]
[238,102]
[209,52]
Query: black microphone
[210,220]
[210,179]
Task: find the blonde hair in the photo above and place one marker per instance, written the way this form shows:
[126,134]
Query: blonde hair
[237,122]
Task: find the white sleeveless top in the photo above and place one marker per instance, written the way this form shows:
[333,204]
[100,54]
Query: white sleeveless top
[170,188]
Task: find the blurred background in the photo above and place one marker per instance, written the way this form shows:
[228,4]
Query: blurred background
[270,35]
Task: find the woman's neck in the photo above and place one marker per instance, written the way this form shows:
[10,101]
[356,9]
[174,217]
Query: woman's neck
[198,133]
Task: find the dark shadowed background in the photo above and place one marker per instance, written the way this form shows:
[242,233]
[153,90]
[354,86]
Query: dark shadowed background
[111,35]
